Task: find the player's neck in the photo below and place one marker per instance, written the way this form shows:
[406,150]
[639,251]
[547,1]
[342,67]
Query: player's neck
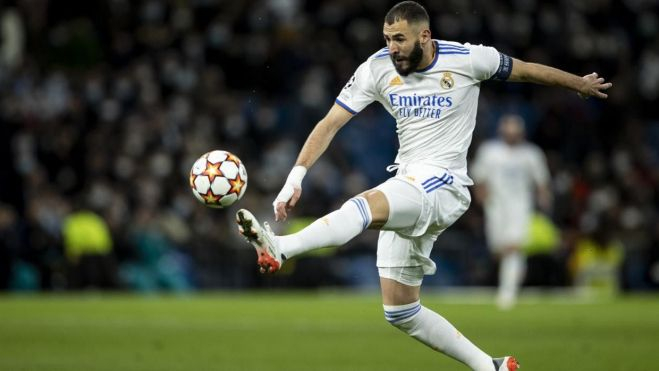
[428,56]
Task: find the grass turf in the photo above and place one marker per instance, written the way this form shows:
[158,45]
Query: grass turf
[312,331]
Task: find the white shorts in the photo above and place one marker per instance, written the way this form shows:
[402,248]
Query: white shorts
[506,225]
[410,276]
[423,202]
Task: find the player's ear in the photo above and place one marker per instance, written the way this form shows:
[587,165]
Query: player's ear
[424,34]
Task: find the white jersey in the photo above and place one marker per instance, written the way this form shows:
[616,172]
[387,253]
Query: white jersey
[435,108]
[510,173]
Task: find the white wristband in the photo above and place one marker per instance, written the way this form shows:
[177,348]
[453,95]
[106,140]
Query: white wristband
[296,175]
[293,181]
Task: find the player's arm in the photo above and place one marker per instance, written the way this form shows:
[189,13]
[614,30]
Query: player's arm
[316,143]
[358,92]
[587,86]
[480,193]
[480,169]
[541,178]
[544,197]
[322,135]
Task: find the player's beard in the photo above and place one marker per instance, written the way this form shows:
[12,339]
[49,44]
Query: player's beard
[413,60]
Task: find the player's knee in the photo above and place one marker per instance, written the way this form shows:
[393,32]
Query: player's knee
[378,207]
[399,315]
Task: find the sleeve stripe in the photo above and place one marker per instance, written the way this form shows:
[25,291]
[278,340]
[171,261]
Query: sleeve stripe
[452,52]
[454,47]
[381,53]
[345,106]
[505,68]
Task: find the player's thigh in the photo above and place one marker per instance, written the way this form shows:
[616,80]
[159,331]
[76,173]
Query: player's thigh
[395,204]
[379,206]
[397,293]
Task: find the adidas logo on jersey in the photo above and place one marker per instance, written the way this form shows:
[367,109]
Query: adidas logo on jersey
[396,81]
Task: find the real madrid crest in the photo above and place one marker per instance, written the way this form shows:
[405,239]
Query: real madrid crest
[447,81]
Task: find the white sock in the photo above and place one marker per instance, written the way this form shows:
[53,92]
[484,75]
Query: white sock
[334,229]
[436,332]
[511,272]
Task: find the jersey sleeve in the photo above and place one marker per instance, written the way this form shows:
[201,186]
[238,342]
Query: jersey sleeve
[359,91]
[489,64]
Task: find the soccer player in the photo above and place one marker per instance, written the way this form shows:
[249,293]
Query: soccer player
[431,87]
[510,173]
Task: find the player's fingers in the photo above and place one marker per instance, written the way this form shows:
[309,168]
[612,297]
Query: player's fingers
[600,80]
[605,86]
[601,95]
[294,199]
[280,211]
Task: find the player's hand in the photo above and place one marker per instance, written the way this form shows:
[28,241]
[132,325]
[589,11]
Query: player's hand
[290,193]
[592,86]
[286,200]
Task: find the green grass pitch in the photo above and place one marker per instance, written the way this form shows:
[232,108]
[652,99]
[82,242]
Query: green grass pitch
[313,331]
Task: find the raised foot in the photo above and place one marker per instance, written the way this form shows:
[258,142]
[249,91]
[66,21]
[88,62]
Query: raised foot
[508,363]
[261,239]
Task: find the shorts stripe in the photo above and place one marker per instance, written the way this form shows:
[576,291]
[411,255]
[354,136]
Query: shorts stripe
[434,182]
[438,185]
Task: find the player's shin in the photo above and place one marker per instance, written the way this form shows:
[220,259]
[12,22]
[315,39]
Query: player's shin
[334,229]
[436,332]
[511,275]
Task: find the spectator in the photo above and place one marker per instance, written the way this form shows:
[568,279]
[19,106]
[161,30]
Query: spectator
[596,262]
[88,249]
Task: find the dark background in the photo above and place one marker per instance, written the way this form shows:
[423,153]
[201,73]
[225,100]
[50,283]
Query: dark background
[104,106]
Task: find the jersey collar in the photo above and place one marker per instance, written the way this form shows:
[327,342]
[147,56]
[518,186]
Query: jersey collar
[434,60]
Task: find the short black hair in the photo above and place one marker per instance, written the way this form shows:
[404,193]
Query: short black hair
[411,11]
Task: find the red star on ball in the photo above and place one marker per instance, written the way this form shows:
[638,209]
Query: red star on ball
[212,170]
[236,185]
[210,198]
[232,158]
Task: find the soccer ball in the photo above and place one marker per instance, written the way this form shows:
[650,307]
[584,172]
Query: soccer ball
[218,179]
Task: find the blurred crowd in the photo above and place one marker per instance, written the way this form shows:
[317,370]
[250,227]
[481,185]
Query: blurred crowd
[105,105]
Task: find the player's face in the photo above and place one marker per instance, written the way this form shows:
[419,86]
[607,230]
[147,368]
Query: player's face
[511,130]
[404,46]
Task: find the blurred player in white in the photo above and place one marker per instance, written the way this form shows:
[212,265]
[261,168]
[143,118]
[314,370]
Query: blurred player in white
[510,173]
[431,87]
